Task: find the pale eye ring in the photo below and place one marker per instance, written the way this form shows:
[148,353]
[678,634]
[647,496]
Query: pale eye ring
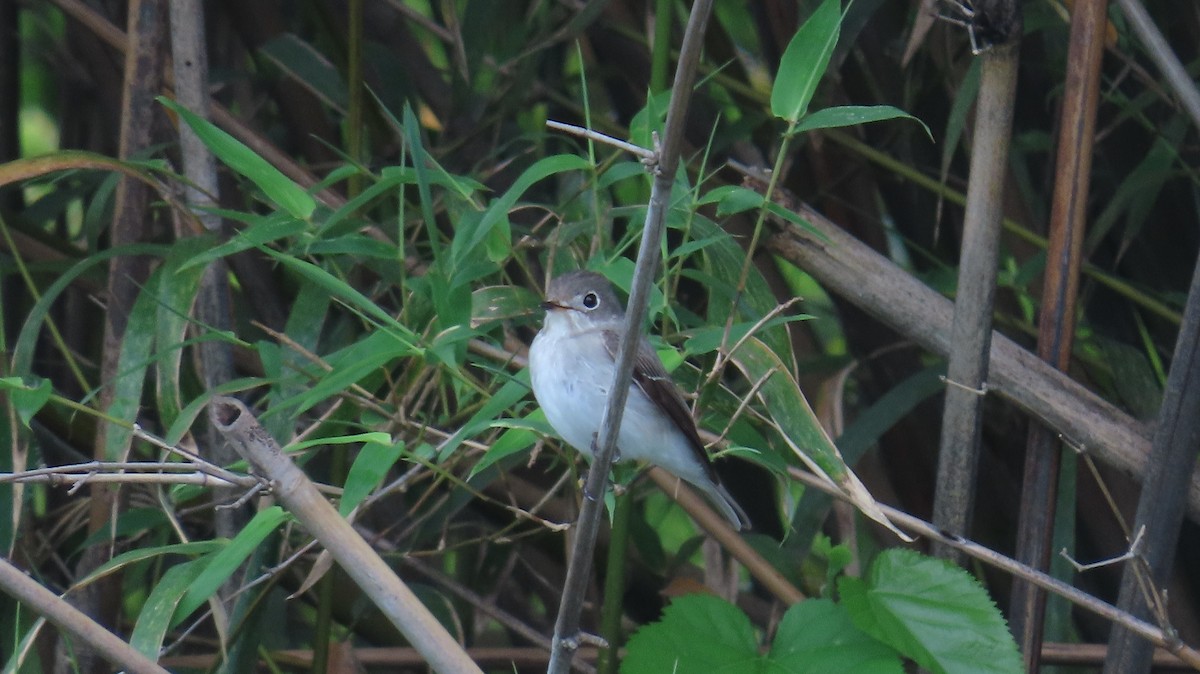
[591,301]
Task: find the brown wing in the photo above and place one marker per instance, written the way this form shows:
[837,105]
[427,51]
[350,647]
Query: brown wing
[654,380]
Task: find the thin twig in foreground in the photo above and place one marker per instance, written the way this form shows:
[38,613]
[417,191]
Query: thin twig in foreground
[566,628]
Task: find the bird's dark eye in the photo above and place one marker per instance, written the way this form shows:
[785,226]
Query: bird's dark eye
[591,301]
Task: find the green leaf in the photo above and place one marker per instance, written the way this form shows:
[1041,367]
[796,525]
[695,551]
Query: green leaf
[349,366]
[513,390]
[27,399]
[308,67]
[223,563]
[262,231]
[472,232]
[133,361]
[501,303]
[933,612]
[353,298]
[804,62]
[520,435]
[155,617]
[817,636]
[697,633]
[177,291]
[126,558]
[371,465]
[850,115]
[279,188]
[23,350]
[799,426]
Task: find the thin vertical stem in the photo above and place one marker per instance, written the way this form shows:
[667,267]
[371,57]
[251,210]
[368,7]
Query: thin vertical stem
[566,628]
[971,340]
[1057,318]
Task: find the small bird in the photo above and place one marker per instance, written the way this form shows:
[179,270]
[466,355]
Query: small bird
[571,363]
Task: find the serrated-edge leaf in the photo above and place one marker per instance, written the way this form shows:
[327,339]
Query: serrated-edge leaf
[817,636]
[697,633]
[933,612]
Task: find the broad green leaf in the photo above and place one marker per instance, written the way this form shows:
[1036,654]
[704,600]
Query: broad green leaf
[27,399]
[804,62]
[223,563]
[850,115]
[279,188]
[697,633]
[155,617]
[933,612]
[817,636]
[371,465]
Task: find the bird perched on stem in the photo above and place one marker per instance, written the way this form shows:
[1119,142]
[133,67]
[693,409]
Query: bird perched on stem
[571,364]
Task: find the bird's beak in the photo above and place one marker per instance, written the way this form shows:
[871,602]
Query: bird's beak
[550,305]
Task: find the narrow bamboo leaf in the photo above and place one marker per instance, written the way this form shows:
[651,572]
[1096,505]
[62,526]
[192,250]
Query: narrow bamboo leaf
[176,293]
[513,390]
[132,363]
[468,238]
[790,410]
[804,62]
[416,151]
[126,558]
[262,231]
[308,67]
[342,290]
[227,560]
[850,115]
[279,188]
[501,303]
[933,612]
[371,465]
[723,262]
[519,436]
[349,366]
[155,617]
[22,360]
